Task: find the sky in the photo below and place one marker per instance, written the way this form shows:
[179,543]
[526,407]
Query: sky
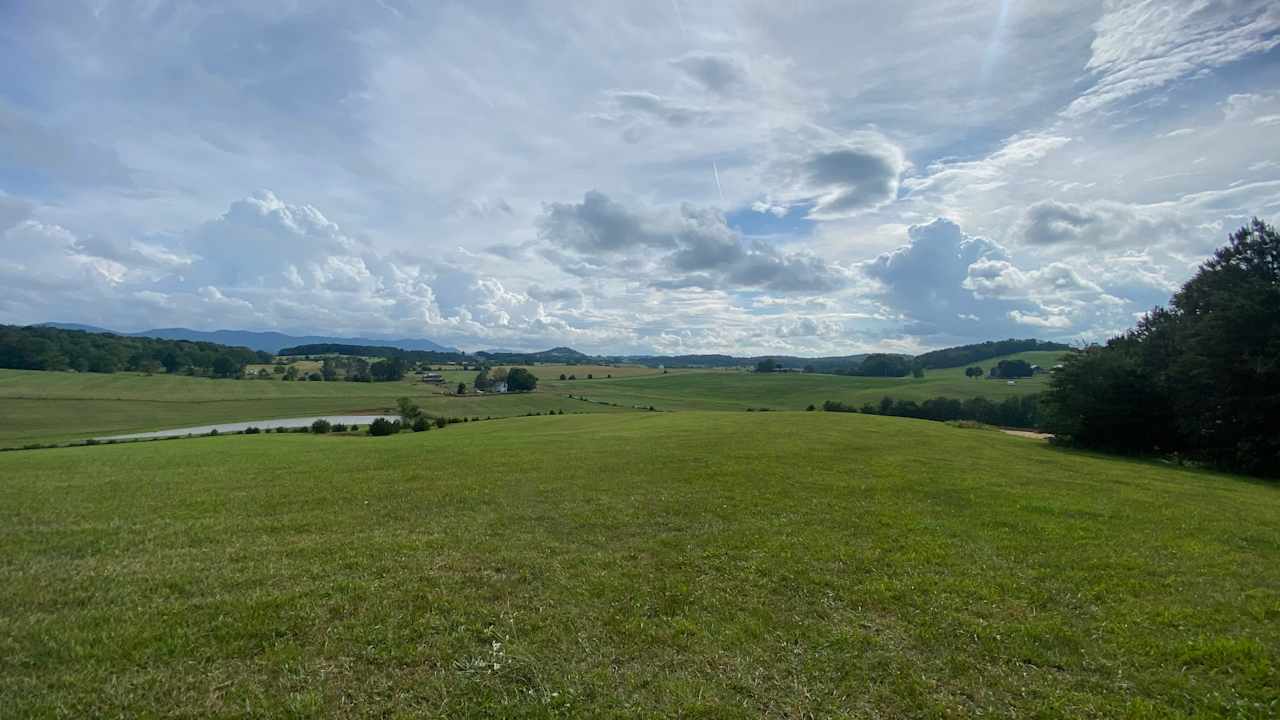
[810,178]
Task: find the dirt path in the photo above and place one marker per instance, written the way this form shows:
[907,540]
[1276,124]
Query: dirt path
[1028,434]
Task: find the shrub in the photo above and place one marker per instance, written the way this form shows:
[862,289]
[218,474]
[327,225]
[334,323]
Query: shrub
[441,422]
[421,424]
[321,426]
[213,432]
[383,426]
[251,430]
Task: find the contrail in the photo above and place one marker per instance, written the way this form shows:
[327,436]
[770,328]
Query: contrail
[719,189]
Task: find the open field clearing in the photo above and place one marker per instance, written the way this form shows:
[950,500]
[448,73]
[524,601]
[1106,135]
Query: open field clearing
[45,407]
[689,564]
[52,407]
[739,390]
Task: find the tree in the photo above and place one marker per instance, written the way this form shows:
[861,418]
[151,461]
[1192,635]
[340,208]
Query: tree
[974,372]
[321,426]
[766,365]
[421,424]
[224,366]
[328,370]
[917,371]
[1200,378]
[563,376]
[462,388]
[483,381]
[409,411]
[291,372]
[521,380]
[1012,369]
[388,370]
[382,427]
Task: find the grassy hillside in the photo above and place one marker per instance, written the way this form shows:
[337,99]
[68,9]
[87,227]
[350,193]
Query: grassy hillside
[738,390]
[814,564]
[54,406]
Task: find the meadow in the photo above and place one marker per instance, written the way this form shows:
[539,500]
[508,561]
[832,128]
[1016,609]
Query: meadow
[742,389]
[45,407]
[727,565]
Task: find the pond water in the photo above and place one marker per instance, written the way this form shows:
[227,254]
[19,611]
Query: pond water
[239,426]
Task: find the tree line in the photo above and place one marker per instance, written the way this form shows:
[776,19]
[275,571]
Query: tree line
[1199,379]
[1014,412]
[45,348]
[966,354]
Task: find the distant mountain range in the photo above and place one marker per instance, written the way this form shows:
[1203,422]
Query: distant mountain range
[271,342]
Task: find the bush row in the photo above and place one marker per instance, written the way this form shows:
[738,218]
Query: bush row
[1016,412]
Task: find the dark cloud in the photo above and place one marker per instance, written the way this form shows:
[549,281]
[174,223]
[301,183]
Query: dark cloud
[655,107]
[716,72]
[694,246]
[1050,222]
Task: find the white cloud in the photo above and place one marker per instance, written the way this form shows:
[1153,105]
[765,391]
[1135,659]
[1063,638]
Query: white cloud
[1147,45]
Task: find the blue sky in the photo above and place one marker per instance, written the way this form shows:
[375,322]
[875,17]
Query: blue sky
[629,177]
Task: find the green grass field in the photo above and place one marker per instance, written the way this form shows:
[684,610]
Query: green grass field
[739,390]
[43,407]
[634,565]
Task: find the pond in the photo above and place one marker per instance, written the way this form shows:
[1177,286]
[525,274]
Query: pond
[239,426]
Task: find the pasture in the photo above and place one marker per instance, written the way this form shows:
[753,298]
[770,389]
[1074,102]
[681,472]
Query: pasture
[742,389]
[42,407]
[639,564]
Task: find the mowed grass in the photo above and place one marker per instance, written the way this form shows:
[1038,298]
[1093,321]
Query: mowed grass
[634,565]
[739,390]
[42,407]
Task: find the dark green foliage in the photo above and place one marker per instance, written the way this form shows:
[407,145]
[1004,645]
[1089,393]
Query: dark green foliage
[1012,369]
[339,427]
[252,430]
[408,410]
[882,365]
[315,377]
[811,408]
[563,376]
[441,422]
[421,424]
[521,380]
[462,388]
[767,365]
[975,371]
[1200,379]
[46,348]
[321,426]
[965,354]
[382,427]
[1016,412]
[388,370]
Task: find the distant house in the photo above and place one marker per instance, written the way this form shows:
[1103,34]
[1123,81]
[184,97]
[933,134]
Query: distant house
[1036,370]
[498,387]
[432,377]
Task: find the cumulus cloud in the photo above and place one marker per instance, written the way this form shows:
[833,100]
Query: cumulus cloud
[947,282]
[678,248]
[805,327]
